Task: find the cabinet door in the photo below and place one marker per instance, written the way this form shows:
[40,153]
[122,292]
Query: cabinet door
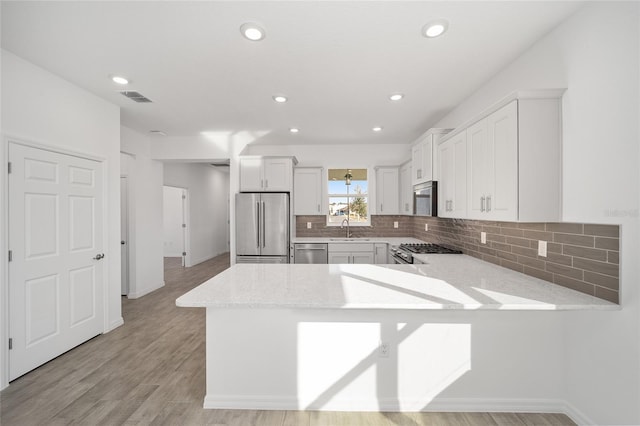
[307,191]
[406,190]
[416,164]
[459,194]
[388,199]
[381,253]
[366,258]
[478,170]
[427,159]
[447,177]
[502,164]
[277,174]
[251,174]
[339,257]
[452,187]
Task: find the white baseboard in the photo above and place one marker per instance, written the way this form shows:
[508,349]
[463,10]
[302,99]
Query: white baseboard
[576,415]
[145,291]
[115,324]
[393,405]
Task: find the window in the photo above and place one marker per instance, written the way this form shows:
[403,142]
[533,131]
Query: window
[348,197]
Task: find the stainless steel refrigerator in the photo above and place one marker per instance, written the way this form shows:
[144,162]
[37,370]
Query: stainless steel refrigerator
[262,228]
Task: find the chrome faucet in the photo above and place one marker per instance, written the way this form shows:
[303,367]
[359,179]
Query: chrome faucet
[342,226]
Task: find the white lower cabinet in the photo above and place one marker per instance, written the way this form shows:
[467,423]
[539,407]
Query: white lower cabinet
[381,253]
[354,253]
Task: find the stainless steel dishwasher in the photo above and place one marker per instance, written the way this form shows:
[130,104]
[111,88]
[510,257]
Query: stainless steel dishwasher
[310,253]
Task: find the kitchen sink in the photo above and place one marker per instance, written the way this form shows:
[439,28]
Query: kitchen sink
[348,239]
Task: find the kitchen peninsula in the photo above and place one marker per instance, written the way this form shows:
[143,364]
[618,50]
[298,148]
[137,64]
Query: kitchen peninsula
[453,333]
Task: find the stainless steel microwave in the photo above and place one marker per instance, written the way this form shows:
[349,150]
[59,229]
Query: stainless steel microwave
[425,199]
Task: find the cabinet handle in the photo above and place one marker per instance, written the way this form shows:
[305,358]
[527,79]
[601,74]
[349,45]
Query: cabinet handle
[318,208]
[419,173]
[406,207]
[450,205]
[261,183]
[482,201]
[381,209]
[488,203]
[266,183]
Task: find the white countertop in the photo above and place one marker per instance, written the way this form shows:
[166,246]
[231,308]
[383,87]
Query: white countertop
[444,282]
[394,241]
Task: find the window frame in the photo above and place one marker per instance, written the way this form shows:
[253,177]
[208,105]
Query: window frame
[328,196]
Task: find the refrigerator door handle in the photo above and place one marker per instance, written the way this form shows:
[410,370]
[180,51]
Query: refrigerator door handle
[264,236]
[258,225]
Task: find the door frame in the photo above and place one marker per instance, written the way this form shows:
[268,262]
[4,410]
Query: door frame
[127,240]
[4,261]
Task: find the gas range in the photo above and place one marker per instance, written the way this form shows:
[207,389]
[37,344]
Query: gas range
[404,252]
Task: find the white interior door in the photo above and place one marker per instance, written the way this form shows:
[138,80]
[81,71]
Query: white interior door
[124,234]
[56,271]
[174,217]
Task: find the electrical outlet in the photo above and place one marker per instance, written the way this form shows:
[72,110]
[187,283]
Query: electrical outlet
[308,225]
[483,237]
[395,224]
[542,248]
[426,226]
[383,350]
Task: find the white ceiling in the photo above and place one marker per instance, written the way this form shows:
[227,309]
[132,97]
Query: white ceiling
[336,61]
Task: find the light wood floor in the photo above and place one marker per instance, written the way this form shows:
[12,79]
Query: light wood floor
[151,371]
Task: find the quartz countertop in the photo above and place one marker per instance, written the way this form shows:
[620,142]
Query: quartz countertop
[394,241]
[444,281]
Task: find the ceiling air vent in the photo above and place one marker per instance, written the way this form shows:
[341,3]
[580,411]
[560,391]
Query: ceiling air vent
[135,96]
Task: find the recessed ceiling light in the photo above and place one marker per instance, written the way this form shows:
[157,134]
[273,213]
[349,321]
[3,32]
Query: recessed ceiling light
[280,99]
[119,79]
[435,28]
[252,31]
[396,96]
[377,129]
[294,130]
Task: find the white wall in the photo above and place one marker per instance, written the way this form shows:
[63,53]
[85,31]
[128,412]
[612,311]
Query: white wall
[145,214]
[207,207]
[600,185]
[40,107]
[172,221]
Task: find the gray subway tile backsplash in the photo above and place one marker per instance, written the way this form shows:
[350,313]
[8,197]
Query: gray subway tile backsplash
[583,257]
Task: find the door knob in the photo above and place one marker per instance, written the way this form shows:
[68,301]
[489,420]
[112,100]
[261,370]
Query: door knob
[99,256]
[122,242]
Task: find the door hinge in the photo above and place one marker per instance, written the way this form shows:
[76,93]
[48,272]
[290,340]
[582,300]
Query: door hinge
[9,167]
[10,343]
[184,253]
[10,255]
[184,225]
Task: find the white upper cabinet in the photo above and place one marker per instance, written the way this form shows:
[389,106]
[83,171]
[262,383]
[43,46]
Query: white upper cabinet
[266,174]
[492,170]
[513,170]
[452,186]
[406,189]
[307,191]
[387,193]
[423,156]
